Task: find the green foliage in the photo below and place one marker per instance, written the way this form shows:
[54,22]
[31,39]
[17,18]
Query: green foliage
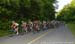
[68,12]
[23,10]
[29,9]
[5,25]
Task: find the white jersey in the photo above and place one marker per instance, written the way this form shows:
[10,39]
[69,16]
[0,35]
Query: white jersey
[16,24]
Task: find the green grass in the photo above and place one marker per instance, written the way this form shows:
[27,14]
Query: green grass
[72,28]
[4,33]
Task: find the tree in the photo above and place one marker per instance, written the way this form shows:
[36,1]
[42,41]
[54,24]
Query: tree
[25,9]
[68,12]
[29,9]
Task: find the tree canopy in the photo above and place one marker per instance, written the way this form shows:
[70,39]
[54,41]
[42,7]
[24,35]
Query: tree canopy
[19,10]
[68,12]
[29,9]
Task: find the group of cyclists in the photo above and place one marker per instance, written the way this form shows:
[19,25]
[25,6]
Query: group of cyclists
[33,26]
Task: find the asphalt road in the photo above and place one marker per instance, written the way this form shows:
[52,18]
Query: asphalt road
[61,35]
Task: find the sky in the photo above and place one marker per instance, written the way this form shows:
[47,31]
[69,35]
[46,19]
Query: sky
[61,3]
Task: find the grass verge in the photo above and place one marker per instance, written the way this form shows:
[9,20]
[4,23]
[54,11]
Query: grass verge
[72,28]
[4,33]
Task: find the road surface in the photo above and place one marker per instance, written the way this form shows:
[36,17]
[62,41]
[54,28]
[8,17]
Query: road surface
[61,35]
